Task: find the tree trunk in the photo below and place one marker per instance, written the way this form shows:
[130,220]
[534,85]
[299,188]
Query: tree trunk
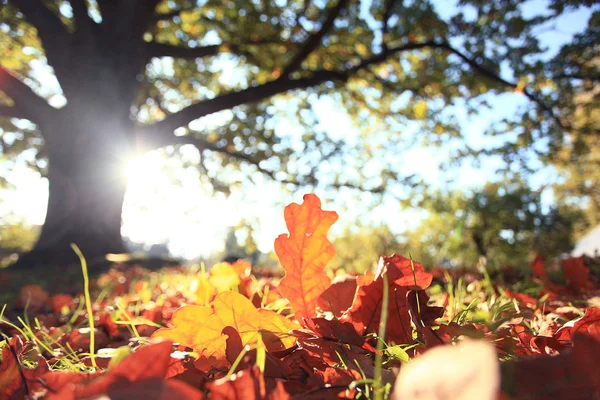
[87,183]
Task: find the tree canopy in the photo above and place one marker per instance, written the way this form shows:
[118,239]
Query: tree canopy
[243,82]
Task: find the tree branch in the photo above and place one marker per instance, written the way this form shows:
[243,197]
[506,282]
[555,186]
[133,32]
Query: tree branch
[27,103]
[387,13]
[83,22]
[154,49]
[202,145]
[160,133]
[143,16]
[578,76]
[227,101]
[11,112]
[495,77]
[480,69]
[315,39]
[50,29]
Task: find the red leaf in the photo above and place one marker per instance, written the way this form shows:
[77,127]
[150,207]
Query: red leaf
[155,389]
[338,298]
[577,274]
[537,266]
[304,253]
[11,382]
[365,313]
[338,331]
[148,362]
[423,317]
[248,384]
[33,296]
[58,301]
[16,381]
[400,270]
[570,375]
[589,324]
[334,377]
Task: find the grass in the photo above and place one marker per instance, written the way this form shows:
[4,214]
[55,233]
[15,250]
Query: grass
[128,296]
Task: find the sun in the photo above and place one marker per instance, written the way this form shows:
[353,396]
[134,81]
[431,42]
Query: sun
[166,204]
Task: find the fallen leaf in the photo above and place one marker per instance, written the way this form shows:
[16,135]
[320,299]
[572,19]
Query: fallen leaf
[16,380]
[201,327]
[11,383]
[33,296]
[365,313]
[248,385]
[155,389]
[224,277]
[147,362]
[339,296]
[589,324]
[304,253]
[537,266]
[468,371]
[573,374]
[576,273]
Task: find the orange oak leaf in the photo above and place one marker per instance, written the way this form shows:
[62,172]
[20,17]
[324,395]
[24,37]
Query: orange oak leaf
[201,328]
[304,253]
[365,312]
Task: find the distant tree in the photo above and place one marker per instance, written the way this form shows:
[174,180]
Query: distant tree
[578,162]
[505,222]
[135,75]
[357,248]
[570,82]
[15,239]
[240,243]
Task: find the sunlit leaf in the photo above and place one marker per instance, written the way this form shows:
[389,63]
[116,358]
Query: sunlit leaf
[201,328]
[304,253]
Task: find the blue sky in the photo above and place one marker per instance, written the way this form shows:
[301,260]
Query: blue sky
[194,223]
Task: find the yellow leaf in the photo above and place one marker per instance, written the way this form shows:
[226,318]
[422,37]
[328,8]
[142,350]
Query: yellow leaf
[361,49]
[200,327]
[224,277]
[420,109]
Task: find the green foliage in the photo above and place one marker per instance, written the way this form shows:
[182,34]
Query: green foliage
[394,61]
[505,223]
[358,248]
[15,239]
[245,82]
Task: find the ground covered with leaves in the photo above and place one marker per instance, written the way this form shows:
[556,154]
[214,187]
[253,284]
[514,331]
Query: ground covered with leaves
[231,332]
